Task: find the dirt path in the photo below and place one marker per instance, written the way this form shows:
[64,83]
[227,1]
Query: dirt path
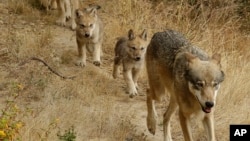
[64,55]
[65,42]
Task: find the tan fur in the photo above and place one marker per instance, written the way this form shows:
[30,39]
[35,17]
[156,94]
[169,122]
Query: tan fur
[49,4]
[130,53]
[89,34]
[67,12]
[190,76]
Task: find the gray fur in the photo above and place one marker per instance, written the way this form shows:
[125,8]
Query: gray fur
[190,76]
[168,43]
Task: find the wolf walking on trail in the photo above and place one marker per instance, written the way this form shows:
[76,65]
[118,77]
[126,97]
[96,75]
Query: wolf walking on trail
[89,34]
[190,76]
[130,52]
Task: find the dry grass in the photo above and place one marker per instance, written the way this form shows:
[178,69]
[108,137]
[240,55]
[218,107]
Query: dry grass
[95,104]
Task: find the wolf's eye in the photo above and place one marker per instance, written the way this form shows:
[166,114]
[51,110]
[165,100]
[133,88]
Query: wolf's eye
[199,84]
[91,25]
[142,48]
[215,85]
[82,25]
[133,48]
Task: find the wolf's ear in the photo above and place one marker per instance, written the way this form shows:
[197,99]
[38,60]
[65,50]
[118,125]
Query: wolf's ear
[93,12]
[95,6]
[78,13]
[190,57]
[131,34]
[144,35]
[216,58]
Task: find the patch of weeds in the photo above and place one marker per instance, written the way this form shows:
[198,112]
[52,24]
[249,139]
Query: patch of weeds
[9,124]
[69,135]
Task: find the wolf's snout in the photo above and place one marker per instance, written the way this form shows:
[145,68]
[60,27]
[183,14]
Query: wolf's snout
[87,35]
[209,104]
[138,58]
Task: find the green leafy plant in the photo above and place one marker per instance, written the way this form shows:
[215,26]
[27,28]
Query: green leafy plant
[9,125]
[69,135]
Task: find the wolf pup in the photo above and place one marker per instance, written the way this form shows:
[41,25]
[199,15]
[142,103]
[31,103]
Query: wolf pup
[67,11]
[130,51]
[190,76]
[89,34]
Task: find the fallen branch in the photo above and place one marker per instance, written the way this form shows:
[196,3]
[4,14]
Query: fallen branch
[50,68]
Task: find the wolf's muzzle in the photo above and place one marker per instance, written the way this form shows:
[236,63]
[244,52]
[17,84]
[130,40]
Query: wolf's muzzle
[137,58]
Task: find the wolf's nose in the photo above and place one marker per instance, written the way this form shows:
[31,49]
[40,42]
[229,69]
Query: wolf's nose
[209,104]
[87,35]
[138,58]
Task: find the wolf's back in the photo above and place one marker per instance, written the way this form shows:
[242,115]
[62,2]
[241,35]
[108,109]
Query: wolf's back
[164,47]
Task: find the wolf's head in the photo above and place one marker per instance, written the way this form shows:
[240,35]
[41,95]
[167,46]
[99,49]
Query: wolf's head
[204,78]
[86,20]
[137,45]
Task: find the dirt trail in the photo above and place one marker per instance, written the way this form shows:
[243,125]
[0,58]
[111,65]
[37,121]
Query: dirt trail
[65,42]
[65,49]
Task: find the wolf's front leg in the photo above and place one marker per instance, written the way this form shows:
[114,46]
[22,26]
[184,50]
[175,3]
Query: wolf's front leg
[136,73]
[53,4]
[208,123]
[74,6]
[81,55]
[127,73]
[185,125]
[152,116]
[97,54]
[117,62]
[61,9]
[67,5]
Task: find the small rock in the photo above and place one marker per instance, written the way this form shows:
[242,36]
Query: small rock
[32,24]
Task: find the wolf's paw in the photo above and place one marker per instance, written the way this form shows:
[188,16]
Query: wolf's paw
[81,63]
[61,22]
[97,63]
[68,15]
[132,93]
[151,124]
[73,26]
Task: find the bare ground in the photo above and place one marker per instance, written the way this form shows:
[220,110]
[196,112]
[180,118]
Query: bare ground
[93,103]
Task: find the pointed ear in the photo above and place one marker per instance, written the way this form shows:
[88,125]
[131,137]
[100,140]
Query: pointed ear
[144,35]
[95,6]
[190,57]
[131,34]
[93,12]
[190,60]
[78,13]
[216,58]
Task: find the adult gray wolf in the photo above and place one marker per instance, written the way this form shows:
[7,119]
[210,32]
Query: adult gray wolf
[67,10]
[130,52]
[89,34]
[190,76]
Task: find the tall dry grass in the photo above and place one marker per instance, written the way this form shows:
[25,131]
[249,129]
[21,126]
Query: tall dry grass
[93,103]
